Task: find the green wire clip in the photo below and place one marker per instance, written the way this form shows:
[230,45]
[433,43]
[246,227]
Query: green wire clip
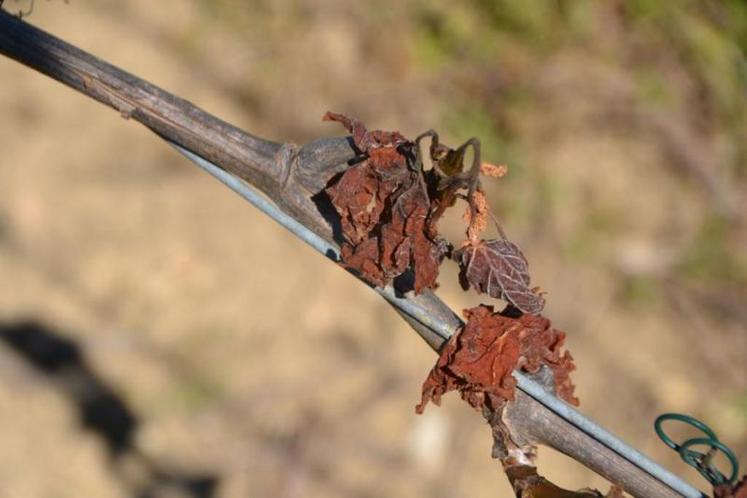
[700,461]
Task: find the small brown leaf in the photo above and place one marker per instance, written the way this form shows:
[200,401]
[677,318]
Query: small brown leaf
[494,170]
[477,226]
[498,267]
[366,140]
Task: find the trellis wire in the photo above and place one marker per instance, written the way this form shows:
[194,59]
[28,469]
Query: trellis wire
[529,386]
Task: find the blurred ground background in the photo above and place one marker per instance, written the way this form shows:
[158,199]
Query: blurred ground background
[229,360]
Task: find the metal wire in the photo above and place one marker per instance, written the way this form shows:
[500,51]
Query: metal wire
[530,387]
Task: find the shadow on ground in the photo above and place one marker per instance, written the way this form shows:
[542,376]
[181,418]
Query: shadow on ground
[101,412]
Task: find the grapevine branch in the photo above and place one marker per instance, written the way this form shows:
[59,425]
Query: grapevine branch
[290,176]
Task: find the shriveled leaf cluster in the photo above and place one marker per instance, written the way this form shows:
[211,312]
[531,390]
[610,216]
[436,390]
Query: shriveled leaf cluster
[385,211]
[479,360]
[389,206]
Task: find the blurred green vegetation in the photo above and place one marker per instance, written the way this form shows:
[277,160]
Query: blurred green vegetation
[710,254]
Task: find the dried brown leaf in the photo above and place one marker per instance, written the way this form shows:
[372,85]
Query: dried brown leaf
[404,241]
[366,140]
[384,211]
[494,170]
[479,360]
[527,483]
[357,197]
[477,225]
[361,193]
[542,345]
[364,259]
[498,267]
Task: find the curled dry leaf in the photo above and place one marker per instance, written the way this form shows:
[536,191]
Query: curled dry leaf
[477,223]
[527,483]
[366,140]
[479,360]
[404,242]
[542,345]
[494,170]
[362,193]
[498,268]
[359,197]
[385,211]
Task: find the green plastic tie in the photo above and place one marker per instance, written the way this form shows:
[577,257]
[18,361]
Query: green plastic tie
[700,461]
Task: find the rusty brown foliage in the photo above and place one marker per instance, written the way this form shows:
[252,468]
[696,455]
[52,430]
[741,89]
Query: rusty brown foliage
[385,210]
[478,361]
[389,206]
[364,139]
[542,345]
[477,215]
[498,268]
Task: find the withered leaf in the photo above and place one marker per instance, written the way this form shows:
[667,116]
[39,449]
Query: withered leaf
[542,345]
[404,240]
[360,195]
[479,360]
[494,170]
[384,211]
[527,483]
[498,267]
[366,140]
[364,259]
[476,215]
